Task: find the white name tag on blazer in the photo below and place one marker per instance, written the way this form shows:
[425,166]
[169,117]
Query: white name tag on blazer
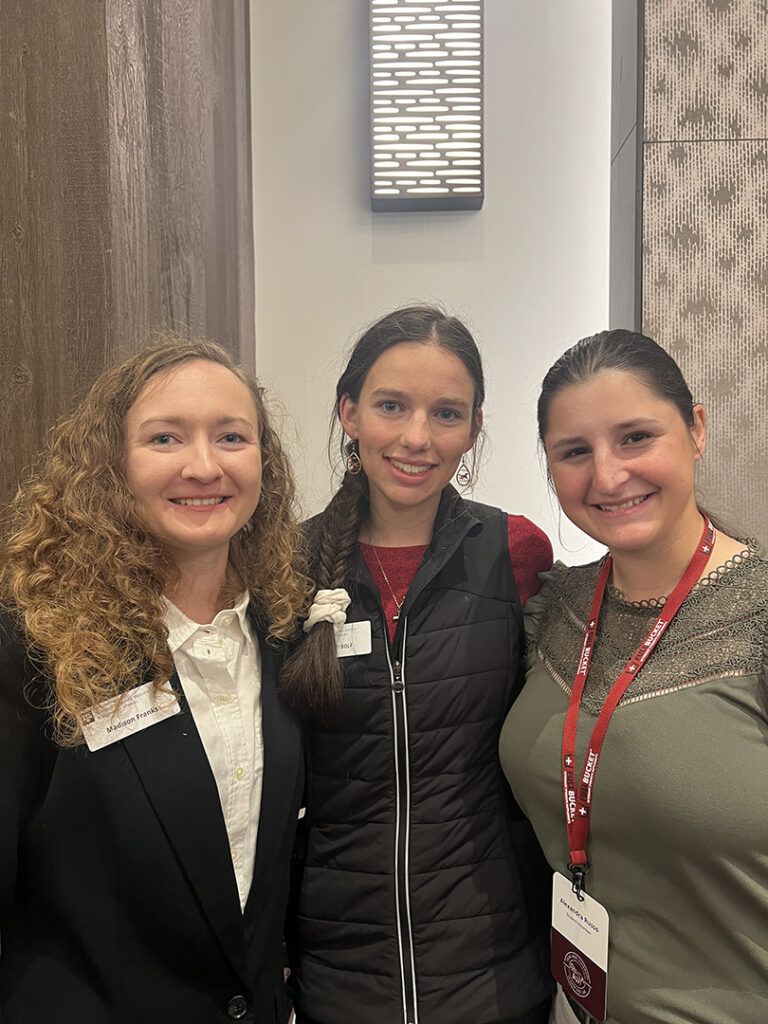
[353,638]
[118,717]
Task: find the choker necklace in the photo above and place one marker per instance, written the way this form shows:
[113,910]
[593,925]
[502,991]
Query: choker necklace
[398,604]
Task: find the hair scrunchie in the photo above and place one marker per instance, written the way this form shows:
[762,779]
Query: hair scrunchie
[328,606]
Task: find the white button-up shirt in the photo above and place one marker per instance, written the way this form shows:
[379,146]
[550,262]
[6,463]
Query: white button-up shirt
[220,669]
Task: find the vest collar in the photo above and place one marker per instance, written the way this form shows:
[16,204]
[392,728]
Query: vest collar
[453,522]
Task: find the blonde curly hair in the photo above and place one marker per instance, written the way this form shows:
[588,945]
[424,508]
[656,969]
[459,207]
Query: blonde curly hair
[85,577]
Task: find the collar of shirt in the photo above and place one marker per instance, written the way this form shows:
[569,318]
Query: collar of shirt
[232,622]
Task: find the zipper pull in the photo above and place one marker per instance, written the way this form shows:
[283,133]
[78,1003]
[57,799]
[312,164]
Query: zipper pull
[398,685]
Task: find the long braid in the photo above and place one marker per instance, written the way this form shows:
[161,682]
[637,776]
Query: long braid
[311,681]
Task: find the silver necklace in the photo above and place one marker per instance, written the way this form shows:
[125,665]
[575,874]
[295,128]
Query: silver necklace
[398,604]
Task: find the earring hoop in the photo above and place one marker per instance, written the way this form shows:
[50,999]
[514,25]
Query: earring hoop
[354,465]
[463,474]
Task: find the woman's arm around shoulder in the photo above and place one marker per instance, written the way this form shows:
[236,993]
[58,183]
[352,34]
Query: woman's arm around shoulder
[530,553]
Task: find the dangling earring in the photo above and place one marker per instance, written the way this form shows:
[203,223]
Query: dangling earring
[463,474]
[354,465]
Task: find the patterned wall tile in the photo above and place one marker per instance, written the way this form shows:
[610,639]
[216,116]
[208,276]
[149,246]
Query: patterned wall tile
[706,69]
[705,298]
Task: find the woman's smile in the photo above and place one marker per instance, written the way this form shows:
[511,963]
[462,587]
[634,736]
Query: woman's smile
[199,502]
[411,469]
[625,506]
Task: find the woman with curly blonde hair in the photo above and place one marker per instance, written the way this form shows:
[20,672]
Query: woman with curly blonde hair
[149,779]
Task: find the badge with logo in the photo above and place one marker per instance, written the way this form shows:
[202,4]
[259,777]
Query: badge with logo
[579,946]
[118,717]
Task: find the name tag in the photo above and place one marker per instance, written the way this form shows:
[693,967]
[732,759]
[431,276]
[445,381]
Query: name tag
[121,716]
[353,638]
[579,947]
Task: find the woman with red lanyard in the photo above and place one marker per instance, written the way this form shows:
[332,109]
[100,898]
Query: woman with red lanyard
[638,745]
[423,898]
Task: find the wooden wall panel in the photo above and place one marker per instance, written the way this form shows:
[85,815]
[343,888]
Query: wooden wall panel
[125,194]
[178,79]
[54,217]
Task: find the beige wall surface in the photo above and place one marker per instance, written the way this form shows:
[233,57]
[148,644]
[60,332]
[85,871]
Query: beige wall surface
[528,272]
[705,231]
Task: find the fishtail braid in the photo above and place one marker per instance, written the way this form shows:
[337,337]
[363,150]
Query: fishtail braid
[311,681]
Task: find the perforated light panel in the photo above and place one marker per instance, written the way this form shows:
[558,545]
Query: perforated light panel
[426,105]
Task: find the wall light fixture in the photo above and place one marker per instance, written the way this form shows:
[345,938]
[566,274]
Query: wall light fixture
[426,104]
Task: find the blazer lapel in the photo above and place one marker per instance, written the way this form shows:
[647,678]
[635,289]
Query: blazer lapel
[174,770]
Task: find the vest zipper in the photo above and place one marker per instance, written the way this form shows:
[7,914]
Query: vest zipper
[403,832]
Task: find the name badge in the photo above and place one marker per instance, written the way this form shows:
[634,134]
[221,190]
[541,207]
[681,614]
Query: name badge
[121,716]
[353,638]
[579,947]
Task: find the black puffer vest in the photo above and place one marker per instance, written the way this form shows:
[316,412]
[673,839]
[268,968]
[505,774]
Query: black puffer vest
[422,880]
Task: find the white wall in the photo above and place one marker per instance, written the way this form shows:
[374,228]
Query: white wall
[528,273]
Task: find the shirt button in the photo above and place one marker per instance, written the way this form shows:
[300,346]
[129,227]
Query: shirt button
[224,698]
[235,856]
[226,621]
[239,772]
[237,1007]
[398,686]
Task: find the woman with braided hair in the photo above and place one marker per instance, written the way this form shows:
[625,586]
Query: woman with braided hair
[423,898]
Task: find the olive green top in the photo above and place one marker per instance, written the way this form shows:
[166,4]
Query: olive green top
[678,842]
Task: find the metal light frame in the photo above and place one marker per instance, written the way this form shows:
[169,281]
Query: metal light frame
[426,105]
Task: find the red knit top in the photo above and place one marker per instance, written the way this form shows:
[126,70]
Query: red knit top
[529,550]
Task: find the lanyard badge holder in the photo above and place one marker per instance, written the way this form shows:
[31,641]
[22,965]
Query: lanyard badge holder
[579,957]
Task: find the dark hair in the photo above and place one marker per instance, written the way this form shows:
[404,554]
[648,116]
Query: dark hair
[617,350]
[311,680]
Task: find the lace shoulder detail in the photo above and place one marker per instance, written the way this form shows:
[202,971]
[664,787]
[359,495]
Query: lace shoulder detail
[750,548]
[721,630]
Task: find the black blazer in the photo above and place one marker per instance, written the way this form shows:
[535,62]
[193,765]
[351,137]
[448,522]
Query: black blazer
[118,901]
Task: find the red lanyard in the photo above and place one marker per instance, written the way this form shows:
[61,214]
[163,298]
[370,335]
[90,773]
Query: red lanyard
[578,800]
